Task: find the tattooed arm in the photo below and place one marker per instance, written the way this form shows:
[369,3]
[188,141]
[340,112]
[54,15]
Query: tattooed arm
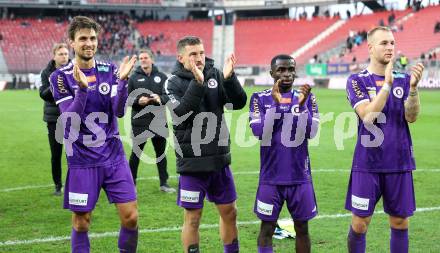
[412,104]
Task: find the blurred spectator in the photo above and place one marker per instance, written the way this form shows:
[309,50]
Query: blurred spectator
[391,18]
[381,22]
[403,60]
[348,14]
[1,37]
[437,27]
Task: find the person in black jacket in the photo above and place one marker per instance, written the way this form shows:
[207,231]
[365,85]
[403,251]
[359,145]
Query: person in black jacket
[197,94]
[51,111]
[146,85]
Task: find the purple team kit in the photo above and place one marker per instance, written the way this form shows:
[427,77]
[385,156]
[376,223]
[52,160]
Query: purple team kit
[284,169]
[97,157]
[382,168]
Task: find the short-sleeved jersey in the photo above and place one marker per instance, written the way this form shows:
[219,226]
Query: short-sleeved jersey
[98,121]
[384,146]
[281,162]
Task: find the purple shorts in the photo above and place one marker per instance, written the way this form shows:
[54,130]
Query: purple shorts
[365,190]
[83,185]
[300,199]
[218,187]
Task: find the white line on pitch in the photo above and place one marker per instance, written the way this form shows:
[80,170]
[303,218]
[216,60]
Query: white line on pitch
[176,229]
[26,187]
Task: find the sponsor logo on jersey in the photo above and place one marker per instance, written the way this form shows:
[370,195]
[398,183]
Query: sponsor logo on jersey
[398,92]
[60,84]
[104,88]
[379,83]
[141,80]
[295,109]
[356,89]
[286,100]
[103,68]
[189,196]
[212,83]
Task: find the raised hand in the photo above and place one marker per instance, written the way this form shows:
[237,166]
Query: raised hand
[228,67]
[276,95]
[416,74]
[304,92]
[80,77]
[126,67]
[155,98]
[198,74]
[143,100]
[389,79]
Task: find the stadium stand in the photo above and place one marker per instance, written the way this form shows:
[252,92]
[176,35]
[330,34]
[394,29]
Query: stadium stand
[257,41]
[172,31]
[420,23]
[356,23]
[26,43]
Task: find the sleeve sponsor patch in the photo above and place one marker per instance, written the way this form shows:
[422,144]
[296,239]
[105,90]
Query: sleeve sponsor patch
[60,85]
[356,89]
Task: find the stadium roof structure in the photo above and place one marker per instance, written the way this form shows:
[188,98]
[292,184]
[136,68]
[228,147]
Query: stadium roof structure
[160,4]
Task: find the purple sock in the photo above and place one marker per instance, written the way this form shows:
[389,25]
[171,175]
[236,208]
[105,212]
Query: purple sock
[399,241]
[231,248]
[80,242]
[267,249]
[128,239]
[356,242]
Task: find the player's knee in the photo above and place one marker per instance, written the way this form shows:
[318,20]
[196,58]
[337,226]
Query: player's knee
[301,228]
[360,226]
[192,218]
[231,215]
[130,219]
[267,229]
[81,222]
[398,222]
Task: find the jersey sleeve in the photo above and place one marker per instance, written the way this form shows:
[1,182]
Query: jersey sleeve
[356,91]
[59,87]
[256,115]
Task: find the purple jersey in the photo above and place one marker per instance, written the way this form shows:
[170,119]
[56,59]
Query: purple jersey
[94,141]
[283,130]
[386,145]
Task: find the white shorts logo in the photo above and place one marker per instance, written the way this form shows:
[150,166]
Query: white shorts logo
[212,83]
[157,79]
[189,196]
[78,199]
[104,88]
[264,208]
[359,203]
[398,92]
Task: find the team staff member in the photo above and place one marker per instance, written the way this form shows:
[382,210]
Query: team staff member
[147,82]
[51,111]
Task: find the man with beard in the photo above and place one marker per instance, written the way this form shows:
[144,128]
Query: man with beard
[283,119]
[197,94]
[385,101]
[91,95]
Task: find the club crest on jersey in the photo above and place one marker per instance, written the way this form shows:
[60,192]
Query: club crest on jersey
[295,109]
[157,79]
[398,92]
[212,83]
[104,88]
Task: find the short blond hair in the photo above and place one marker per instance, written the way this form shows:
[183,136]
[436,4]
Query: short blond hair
[375,29]
[58,46]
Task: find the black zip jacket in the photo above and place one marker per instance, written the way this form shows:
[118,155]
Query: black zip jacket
[191,105]
[154,83]
[51,111]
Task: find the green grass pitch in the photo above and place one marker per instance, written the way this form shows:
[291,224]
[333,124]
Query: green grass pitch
[33,213]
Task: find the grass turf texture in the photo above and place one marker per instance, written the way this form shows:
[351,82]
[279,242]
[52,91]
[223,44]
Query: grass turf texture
[34,213]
